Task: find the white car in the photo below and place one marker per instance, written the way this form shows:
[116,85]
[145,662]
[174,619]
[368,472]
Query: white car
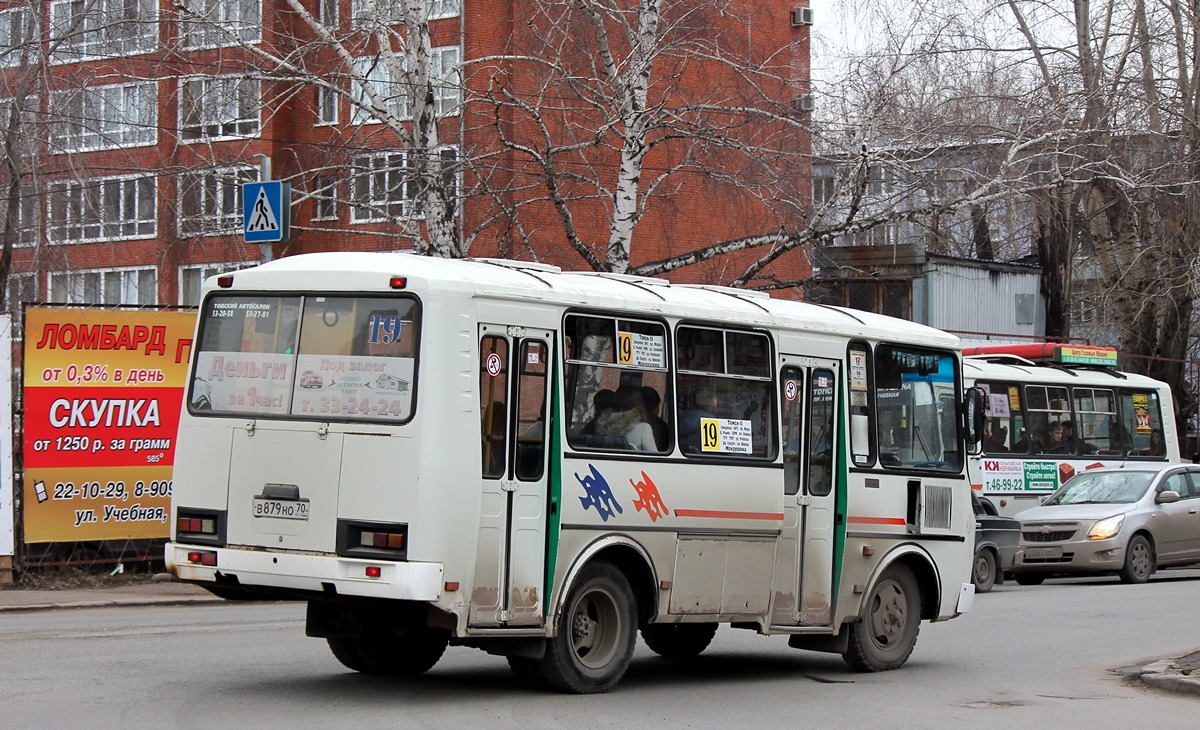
[1130,520]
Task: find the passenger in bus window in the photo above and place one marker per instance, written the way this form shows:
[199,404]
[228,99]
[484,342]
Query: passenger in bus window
[1156,447]
[704,405]
[628,420]
[1052,441]
[602,403]
[652,401]
[1073,443]
[993,440]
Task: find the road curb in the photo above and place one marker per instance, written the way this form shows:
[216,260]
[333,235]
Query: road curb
[1174,674]
[111,603]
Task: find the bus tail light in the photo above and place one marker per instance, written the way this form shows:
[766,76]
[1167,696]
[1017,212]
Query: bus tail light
[202,557]
[398,282]
[203,526]
[374,571]
[372,540]
[225,281]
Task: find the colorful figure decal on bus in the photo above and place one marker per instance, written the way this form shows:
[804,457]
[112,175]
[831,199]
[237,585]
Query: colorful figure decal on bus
[649,500]
[599,494]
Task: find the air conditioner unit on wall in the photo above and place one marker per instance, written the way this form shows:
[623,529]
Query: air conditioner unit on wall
[802,16]
[804,103]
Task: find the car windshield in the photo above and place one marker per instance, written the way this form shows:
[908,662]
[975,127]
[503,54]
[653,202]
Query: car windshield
[1103,488]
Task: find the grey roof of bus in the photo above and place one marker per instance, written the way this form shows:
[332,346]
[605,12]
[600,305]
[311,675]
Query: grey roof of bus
[532,280]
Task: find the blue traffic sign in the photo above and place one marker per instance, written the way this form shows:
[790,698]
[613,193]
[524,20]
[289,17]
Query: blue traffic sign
[266,211]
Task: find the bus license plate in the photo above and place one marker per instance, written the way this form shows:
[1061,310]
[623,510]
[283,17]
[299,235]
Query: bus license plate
[283,509]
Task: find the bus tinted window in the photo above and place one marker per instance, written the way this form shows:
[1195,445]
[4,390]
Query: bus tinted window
[909,389]
[616,378]
[724,385]
[321,358]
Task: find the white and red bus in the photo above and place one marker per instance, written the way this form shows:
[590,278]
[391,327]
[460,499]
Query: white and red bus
[541,464]
[1054,410]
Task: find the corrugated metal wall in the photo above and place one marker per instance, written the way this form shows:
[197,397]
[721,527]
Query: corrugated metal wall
[969,299]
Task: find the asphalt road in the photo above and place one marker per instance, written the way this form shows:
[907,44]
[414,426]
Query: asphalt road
[1027,657]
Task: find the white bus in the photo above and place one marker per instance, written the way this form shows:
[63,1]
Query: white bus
[1054,410]
[537,463]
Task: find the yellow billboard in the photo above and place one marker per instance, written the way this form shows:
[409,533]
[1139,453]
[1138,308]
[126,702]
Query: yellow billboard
[102,395]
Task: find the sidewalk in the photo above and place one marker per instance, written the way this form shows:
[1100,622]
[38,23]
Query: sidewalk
[1177,674]
[160,591]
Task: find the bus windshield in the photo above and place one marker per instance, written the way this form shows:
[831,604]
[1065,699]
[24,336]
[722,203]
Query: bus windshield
[916,428]
[317,357]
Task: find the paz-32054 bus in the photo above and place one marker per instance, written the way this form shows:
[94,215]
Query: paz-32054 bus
[540,463]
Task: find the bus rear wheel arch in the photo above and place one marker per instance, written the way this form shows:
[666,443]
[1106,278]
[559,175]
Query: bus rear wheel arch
[886,633]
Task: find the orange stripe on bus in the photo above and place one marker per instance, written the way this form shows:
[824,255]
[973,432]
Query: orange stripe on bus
[719,514]
[878,520]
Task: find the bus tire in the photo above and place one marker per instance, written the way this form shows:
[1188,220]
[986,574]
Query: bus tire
[678,641]
[394,656]
[1139,560]
[983,571]
[596,633]
[1030,579]
[885,636]
[346,652]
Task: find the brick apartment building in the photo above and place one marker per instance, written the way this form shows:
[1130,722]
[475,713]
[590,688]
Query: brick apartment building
[134,122]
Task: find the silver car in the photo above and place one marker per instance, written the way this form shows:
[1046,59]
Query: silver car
[1130,520]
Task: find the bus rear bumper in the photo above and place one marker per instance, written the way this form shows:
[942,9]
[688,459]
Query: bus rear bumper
[316,573]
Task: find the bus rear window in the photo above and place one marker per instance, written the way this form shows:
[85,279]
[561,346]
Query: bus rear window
[313,357]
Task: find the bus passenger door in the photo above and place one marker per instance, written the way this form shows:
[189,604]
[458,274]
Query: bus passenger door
[514,388]
[810,459]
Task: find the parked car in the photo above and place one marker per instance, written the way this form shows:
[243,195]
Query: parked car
[1130,520]
[996,539]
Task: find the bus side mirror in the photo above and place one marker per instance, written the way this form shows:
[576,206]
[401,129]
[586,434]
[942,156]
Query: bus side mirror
[973,415]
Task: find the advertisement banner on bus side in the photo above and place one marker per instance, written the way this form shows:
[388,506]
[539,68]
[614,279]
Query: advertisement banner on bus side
[102,396]
[1033,475]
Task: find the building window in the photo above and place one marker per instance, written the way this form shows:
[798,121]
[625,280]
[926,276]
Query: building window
[218,106]
[27,217]
[325,197]
[213,23]
[823,189]
[102,209]
[327,105]
[447,81]
[209,200]
[104,117]
[393,97]
[16,29]
[379,187]
[103,28]
[327,12]
[364,12]
[112,286]
[191,279]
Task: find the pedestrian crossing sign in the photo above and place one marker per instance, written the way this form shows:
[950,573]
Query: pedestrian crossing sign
[266,211]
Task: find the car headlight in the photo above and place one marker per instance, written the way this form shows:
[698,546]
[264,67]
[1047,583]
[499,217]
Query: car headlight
[1106,528]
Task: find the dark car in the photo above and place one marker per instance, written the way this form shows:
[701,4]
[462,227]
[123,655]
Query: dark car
[996,539]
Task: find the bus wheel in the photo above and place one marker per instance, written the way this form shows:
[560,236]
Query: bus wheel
[983,573]
[595,635]
[396,656]
[887,633]
[1139,560]
[678,641]
[346,652]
